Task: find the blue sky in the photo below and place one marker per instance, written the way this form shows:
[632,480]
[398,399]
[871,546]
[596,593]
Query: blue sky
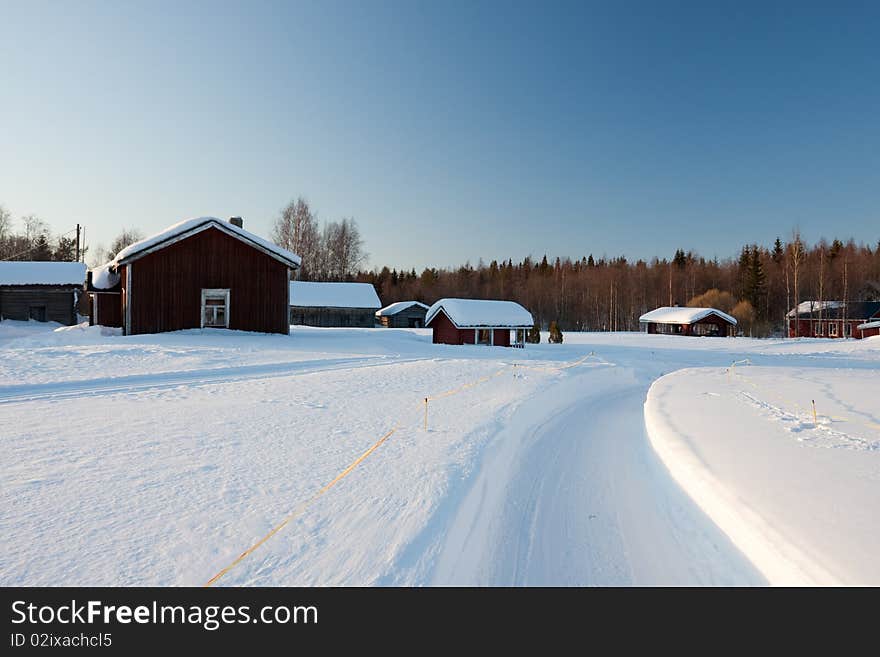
[450,131]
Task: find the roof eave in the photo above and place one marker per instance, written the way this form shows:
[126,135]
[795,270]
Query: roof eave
[439,310]
[158,246]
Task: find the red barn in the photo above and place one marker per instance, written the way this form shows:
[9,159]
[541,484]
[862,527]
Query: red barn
[199,273]
[478,321]
[833,319]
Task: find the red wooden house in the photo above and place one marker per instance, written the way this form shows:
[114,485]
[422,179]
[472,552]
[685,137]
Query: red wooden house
[682,320]
[478,321]
[833,319]
[199,273]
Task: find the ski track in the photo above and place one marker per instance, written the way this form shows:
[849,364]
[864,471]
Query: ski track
[580,499]
[192,378]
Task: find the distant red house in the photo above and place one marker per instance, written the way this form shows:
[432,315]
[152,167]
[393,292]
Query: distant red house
[680,320]
[199,273]
[833,319]
[478,321]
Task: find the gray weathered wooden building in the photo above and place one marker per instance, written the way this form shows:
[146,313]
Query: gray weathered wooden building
[333,304]
[403,314]
[41,291]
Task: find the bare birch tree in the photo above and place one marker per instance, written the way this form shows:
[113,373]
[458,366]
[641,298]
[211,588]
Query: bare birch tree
[796,251]
[296,230]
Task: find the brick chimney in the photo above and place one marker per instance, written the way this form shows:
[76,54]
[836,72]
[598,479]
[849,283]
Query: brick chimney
[236,221]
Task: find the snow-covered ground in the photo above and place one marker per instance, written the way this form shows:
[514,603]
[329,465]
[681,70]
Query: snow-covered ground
[798,495]
[159,459]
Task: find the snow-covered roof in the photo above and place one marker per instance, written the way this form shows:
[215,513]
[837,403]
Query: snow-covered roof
[682,315]
[190,226]
[104,278]
[472,313]
[397,307]
[869,325]
[807,307]
[42,273]
[311,294]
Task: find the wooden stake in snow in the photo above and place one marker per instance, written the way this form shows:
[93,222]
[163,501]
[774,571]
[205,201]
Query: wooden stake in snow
[426,413]
[815,419]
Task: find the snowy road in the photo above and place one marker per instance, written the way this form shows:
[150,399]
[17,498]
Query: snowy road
[581,499]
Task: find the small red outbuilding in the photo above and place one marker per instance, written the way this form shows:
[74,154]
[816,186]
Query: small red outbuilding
[478,321]
[868,329]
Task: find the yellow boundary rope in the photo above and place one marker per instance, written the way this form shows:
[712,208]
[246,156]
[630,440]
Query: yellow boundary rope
[348,470]
[301,508]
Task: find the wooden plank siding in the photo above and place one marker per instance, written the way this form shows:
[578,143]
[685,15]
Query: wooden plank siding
[815,328]
[412,317]
[58,302]
[501,337]
[445,332]
[164,290]
[333,317]
[106,309]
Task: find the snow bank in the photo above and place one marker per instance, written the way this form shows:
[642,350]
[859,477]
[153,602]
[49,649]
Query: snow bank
[42,273]
[83,328]
[311,294]
[12,329]
[798,498]
[466,313]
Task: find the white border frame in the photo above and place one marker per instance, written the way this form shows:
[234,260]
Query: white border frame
[214,292]
[127,293]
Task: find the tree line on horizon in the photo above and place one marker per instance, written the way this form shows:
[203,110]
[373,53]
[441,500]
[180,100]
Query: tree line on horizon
[610,294]
[758,287]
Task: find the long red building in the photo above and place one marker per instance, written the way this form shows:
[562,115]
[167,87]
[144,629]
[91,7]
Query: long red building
[833,319]
[199,273]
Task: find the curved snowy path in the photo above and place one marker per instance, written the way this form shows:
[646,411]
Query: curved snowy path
[570,493]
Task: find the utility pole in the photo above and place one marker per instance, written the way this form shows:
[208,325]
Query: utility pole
[77,242]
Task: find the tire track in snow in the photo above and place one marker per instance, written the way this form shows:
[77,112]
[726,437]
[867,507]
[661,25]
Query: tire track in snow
[167,380]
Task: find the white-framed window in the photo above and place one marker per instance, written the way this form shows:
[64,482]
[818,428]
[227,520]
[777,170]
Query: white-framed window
[820,328]
[832,329]
[847,330]
[215,308]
